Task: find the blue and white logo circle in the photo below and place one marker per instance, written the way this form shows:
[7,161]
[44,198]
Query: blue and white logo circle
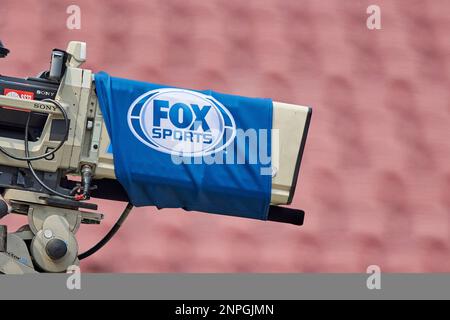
[181,122]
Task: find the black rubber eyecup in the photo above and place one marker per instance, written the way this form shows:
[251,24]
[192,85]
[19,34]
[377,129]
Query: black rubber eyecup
[3,51]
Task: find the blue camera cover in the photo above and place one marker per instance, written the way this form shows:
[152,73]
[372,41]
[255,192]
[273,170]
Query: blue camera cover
[196,150]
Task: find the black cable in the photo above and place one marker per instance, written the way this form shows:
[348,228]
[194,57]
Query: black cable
[109,235]
[30,166]
[52,152]
[28,159]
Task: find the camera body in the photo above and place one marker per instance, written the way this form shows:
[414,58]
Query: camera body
[86,158]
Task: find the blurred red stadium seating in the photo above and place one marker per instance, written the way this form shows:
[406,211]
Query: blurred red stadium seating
[375,180]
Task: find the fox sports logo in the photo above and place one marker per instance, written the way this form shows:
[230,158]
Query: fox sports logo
[181,122]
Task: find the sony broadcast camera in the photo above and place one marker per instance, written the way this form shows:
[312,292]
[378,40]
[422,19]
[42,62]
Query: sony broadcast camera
[54,155]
